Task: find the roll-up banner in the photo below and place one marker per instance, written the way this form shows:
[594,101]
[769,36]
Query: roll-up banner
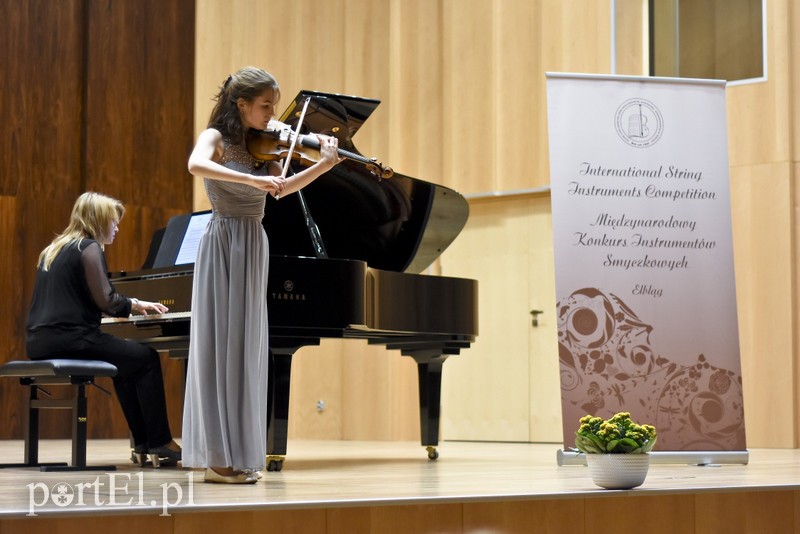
[646,296]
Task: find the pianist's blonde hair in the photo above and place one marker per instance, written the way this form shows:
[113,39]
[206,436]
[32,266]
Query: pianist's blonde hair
[247,83]
[91,217]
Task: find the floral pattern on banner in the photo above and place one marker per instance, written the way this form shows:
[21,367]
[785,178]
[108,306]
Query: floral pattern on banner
[607,365]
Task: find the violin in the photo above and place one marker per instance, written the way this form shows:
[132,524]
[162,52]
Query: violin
[274,144]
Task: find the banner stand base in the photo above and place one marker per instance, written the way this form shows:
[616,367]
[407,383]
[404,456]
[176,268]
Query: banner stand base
[703,458]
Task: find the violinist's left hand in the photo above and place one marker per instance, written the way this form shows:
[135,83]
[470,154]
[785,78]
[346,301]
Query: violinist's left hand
[329,150]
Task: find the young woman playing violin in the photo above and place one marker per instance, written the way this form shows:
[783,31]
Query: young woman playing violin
[224,418]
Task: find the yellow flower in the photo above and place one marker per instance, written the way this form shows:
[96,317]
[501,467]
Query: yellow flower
[618,434]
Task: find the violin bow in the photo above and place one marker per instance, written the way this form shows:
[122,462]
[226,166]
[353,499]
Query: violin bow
[294,143]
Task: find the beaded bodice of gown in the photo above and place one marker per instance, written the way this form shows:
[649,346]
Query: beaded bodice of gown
[232,199]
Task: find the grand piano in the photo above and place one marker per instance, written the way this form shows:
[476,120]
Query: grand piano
[346,253]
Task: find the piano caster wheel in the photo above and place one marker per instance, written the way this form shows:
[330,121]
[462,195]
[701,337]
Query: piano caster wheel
[432,453]
[274,463]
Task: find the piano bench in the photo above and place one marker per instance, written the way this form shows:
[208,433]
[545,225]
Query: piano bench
[75,373]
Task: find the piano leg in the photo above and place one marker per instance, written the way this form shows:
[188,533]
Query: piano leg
[429,372]
[280,374]
[279,377]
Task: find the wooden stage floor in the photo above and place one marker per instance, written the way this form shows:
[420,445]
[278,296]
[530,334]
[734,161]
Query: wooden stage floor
[324,476]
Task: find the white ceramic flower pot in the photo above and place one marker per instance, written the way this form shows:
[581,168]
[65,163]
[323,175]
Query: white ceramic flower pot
[618,471]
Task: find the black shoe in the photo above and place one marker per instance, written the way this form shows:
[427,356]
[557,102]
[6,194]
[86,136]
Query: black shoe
[164,456]
[139,455]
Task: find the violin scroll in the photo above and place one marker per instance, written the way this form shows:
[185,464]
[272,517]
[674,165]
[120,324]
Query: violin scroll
[379,170]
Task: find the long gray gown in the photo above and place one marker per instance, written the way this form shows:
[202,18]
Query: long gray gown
[225,407]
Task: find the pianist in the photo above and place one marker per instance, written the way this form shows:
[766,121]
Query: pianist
[71,293]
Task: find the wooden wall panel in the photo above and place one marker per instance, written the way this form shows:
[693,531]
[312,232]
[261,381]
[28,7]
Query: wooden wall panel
[544,396]
[665,38]
[518,91]
[139,112]
[741,513]
[379,394]
[469,92]
[731,512]
[794,295]
[716,40]
[761,202]
[96,95]
[764,209]
[630,38]
[792,51]
[366,71]
[40,172]
[759,122]
[40,169]
[537,517]
[486,393]
[317,379]
[739,26]
[575,37]
[663,514]
[412,112]
[418,518]
[12,334]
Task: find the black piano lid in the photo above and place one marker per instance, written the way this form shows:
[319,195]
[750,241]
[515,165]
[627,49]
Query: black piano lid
[329,113]
[399,224]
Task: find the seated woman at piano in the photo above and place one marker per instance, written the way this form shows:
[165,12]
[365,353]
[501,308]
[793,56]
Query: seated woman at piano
[225,407]
[71,294]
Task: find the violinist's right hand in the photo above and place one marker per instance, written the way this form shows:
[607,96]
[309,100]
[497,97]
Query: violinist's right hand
[273,185]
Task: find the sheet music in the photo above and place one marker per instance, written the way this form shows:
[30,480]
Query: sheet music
[191,239]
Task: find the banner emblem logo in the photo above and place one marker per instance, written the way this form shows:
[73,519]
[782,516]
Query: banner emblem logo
[639,123]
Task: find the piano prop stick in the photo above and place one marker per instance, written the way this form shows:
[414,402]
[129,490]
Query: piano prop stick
[313,229]
[296,135]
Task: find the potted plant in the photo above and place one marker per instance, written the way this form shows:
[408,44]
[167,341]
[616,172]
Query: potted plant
[617,449]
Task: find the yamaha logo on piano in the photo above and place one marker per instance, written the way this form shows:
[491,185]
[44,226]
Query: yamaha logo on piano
[167,302]
[288,293]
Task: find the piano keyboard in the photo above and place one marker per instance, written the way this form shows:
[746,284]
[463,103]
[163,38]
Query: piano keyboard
[171,316]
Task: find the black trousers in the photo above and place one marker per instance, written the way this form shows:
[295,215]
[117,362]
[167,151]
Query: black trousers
[139,383]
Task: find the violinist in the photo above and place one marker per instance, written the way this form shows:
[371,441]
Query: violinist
[224,418]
